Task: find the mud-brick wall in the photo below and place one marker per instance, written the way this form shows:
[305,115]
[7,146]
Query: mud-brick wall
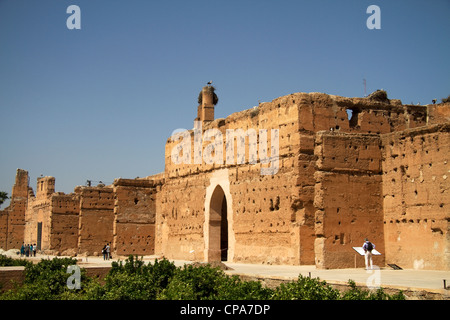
[65,221]
[16,223]
[3,227]
[347,198]
[264,225]
[96,219]
[135,212]
[39,211]
[319,111]
[416,193]
[266,228]
[13,217]
[180,219]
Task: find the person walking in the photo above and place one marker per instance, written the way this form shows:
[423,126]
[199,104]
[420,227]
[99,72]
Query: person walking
[108,250]
[104,252]
[368,247]
[34,250]
[22,250]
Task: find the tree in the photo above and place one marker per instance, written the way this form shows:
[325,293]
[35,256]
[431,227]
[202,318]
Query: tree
[3,197]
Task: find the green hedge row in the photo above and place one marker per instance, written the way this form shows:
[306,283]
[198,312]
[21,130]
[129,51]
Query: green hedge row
[6,261]
[135,280]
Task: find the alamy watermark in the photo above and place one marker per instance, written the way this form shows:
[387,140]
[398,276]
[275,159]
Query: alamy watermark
[74,280]
[374,280]
[374,21]
[74,20]
[213,152]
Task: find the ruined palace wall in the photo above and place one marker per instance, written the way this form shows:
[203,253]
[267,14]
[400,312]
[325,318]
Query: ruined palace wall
[288,235]
[39,210]
[14,214]
[134,216]
[65,211]
[84,221]
[180,219]
[3,227]
[347,198]
[438,113]
[16,223]
[261,219]
[347,184]
[96,219]
[265,227]
[416,183]
[319,111]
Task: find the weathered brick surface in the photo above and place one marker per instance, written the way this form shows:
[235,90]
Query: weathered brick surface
[96,219]
[416,196]
[325,199]
[347,197]
[135,216]
[348,168]
[65,223]
[13,217]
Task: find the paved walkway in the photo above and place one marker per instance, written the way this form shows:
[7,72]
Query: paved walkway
[428,280]
[418,279]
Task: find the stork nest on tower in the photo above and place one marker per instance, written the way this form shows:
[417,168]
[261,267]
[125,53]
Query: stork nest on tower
[210,89]
[379,95]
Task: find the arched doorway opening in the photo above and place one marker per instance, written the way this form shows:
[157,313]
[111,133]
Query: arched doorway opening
[218,226]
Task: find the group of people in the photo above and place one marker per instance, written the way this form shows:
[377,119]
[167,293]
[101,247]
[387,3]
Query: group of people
[106,251]
[28,250]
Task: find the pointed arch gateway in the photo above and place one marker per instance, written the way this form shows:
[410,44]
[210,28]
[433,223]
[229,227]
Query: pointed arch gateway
[218,226]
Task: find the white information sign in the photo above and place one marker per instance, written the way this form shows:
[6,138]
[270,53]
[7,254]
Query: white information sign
[360,250]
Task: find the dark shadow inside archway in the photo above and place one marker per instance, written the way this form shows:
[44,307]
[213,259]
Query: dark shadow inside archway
[218,226]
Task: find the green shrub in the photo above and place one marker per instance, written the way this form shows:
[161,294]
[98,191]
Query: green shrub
[355,293]
[210,283]
[45,280]
[178,289]
[306,288]
[136,281]
[194,283]
[6,261]
[49,271]
[232,288]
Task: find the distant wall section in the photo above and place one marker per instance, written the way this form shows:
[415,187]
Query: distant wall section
[416,197]
[134,215]
[347,198]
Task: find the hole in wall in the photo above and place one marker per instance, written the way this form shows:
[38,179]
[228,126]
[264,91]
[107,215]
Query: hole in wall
[353,117]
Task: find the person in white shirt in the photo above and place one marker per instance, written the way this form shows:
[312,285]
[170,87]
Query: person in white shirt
[368,247]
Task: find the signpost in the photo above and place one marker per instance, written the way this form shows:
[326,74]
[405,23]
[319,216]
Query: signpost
[360,250]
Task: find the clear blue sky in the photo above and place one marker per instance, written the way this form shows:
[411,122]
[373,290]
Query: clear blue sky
[100,102]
